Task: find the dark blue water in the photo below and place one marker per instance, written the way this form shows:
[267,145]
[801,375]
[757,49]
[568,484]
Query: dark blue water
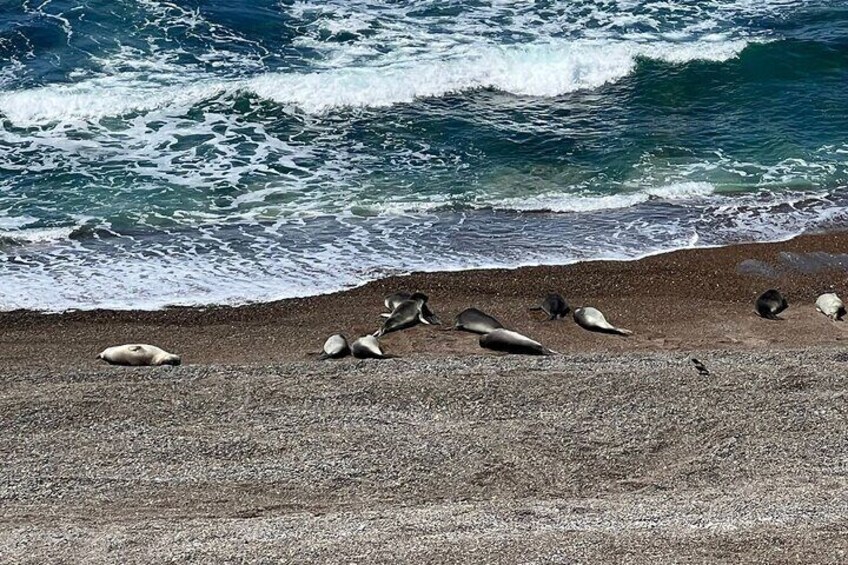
[156,153]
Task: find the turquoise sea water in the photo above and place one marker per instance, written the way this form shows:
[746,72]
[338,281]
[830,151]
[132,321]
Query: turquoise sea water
[156,153]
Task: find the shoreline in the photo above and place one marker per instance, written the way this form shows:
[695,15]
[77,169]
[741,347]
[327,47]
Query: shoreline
[502,269]
[690,299]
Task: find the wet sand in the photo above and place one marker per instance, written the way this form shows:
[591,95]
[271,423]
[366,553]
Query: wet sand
[616,452]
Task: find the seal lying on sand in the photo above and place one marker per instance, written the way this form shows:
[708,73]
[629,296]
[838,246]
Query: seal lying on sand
[405,315]
[770,304]
[476,321]
[392,301]
[593,320]
[138,354]
[831,306]
[512,342]
[335,347]
[367,347]
[554,306]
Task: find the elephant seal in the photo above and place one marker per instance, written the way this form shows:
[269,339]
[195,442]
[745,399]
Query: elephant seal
[335,347]
[831,306]
[476,321]
[407,314]
[137,355]
[367,347]
[392,301]
[770,304]
[508,341]
[593,320]
[554,306]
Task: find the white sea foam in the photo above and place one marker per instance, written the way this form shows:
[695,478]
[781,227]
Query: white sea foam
[558,202]
[36,235]
[98,98]
[194,268]
[534,70]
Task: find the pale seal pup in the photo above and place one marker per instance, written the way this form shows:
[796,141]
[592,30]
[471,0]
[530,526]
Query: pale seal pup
[831,306]
[138,354]
[512,342]
[335,347]
[407,314]
[554,306]
[770,304]
[367,347]
[593,320]
[476,321]
[392,301]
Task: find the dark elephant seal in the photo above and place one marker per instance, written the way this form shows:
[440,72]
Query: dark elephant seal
[392,301]
[335,347]
[554,306]
[593,320]
[138,354]
[407,314]
[770,304]
[509,341]
[367,347]
[476,321]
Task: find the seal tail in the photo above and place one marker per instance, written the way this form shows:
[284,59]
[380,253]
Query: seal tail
[622,331]
[323,357]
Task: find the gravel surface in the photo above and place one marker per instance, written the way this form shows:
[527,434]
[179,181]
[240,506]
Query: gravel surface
[594,458]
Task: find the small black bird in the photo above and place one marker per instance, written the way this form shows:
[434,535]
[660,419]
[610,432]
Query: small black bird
[703,371]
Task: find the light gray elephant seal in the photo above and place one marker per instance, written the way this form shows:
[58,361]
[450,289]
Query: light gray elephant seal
[831,306]
[512,342]
[476,321]
[554,306]
[138,354]
[367,347]
[392,301]
[335,347]
[407,314]
[593,320]
[770,304]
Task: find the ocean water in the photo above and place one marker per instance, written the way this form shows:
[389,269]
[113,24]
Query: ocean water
[185,152]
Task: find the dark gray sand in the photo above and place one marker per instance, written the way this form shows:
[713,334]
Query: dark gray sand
[591,458]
